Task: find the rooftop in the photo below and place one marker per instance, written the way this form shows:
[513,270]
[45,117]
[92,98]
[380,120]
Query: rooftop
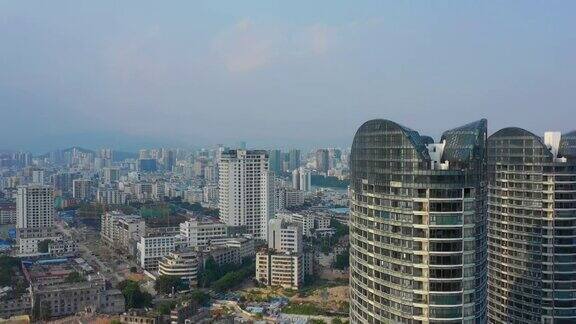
[50,272]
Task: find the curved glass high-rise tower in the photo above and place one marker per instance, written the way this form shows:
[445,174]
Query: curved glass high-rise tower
[532,227]
[418,225]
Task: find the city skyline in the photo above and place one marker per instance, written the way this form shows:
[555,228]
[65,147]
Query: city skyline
[127,75]
[320,162]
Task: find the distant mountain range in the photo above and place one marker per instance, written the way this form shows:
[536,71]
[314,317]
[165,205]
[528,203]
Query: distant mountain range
[118,155]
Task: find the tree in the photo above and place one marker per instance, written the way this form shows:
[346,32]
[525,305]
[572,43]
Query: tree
[133,296]
[200,297]
[168,284]
[133,269]
[7,269]
[342,260]
[164,308]
[233,278]
[341,229]
[210,273]
[90,210]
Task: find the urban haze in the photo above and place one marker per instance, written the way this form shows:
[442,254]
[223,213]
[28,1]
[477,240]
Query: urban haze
[287,162]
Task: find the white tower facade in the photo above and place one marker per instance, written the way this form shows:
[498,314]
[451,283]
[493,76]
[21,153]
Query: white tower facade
[34,207]
[305,180]
[245,194]
[284,236]
[301,179]
[296,179]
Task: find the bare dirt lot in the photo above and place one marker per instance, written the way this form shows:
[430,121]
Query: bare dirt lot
[334,299]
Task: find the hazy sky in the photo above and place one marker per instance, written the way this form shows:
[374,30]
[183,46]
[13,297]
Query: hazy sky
[278,73]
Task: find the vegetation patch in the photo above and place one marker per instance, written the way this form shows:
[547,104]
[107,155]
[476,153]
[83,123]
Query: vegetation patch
[133,296]
[303,309]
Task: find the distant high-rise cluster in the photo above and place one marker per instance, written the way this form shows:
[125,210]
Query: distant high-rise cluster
[281,162]
[322,160]
[294,159]
[276,161]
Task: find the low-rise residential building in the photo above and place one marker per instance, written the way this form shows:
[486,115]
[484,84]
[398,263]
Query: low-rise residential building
[308,262]
[28,240]
[143,191]
[279,198]
[310,221]
[210,194]
[7,213]
[305,221]
[293,198]
[284,236]
[245,246]
[110,196]
[194,195]
[19,305]
[158,190]
[280,269]
[322,221]
[222,254]
[137,316]
[197,233]
[325,232]
[119,230]
[15,297]
[62,247]
[82,189]
[182,264]
[152,247]
[55,293]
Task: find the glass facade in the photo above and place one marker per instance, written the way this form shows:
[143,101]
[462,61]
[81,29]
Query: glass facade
[532,228]
[418,225]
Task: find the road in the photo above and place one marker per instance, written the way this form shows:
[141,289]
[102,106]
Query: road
[87,254]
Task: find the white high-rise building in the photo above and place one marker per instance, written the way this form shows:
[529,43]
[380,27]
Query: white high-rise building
[119,230]
[305,180]
[34,218]
[301,179]
[82,189]
[38,177]
[34,207]
[111,175]
[110,196]
[296,179]
[246,187]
